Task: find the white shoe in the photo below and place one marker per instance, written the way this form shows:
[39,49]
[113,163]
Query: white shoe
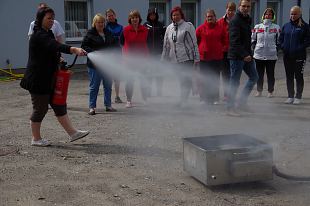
[78,135]
[40,143]
[258,94]
[269,95]
[289,101]
[297,101]
[216,102]
[232,113]
[128,104]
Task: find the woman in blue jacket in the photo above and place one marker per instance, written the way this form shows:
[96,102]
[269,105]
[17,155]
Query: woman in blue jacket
[294,39]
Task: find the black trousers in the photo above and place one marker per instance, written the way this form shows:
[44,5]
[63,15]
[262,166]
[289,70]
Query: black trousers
[261,67]
[210,80]
[294,69]
[225,74]
[185,73]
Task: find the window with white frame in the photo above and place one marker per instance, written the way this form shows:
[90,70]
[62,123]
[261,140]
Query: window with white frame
[254,12]
[275,5]
[76,19]
[161,7]
[190,9]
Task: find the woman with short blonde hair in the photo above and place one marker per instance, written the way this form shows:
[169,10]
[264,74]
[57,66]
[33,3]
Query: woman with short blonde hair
[98,17]
[98,38]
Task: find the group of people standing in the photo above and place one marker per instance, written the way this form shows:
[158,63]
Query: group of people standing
[135,38]
[226,46]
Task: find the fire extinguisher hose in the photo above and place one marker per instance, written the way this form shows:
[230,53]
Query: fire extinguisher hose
[289,177]
[73,63]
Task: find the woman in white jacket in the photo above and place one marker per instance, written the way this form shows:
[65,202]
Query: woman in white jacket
[265,41]
[180,47]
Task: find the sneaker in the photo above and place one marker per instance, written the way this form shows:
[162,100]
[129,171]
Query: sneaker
[232,113]
[258,94]
[269,95]
[144,103]
[110,109]
[92,111]
[118,100]
[245,108]
[78,135]
[128,104]
[297,101]
[40,143]
[289,101]
[216,102]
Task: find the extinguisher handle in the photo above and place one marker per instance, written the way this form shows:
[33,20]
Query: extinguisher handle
[63,65]
[73,63]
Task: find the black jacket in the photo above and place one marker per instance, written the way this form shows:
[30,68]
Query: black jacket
[239,37]
[156,33]
[94,42]
[42,63]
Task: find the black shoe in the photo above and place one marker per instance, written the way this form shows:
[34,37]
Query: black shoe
[118,100]
[110,109]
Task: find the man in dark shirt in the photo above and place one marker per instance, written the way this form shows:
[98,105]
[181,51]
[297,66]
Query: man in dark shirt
[240,57]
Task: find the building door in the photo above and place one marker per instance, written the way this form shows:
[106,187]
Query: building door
[275,5]
[161,7]
[190,9]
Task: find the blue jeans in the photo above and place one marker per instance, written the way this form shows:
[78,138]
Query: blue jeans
[95,78]
[236,67]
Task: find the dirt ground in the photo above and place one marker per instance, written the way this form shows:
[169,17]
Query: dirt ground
[134,156]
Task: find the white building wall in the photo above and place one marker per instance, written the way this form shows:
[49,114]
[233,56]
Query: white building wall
[16,15]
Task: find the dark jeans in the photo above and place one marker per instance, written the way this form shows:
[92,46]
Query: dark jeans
[210,80]
[185,74]
[236,67]
[95,78]
[294,68]
[261,66]
[225,74]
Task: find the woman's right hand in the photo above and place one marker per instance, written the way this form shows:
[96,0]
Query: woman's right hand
[78,51]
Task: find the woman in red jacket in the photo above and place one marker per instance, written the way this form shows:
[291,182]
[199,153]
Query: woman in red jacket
[211,38]
[134,41]
[224,22]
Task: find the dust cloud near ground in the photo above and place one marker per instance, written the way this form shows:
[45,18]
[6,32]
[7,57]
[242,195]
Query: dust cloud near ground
[134,156]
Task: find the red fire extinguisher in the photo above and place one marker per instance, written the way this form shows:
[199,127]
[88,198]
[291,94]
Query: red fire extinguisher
[62,78]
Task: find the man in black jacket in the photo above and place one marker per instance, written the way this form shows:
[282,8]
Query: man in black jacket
[240,57]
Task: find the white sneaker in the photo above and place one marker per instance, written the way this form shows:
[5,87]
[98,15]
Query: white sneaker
[269,95]
[232,113]
[289,101]
[297,101]
[258,94]
[216,102]
[40,143]
[78,135]
[128,104]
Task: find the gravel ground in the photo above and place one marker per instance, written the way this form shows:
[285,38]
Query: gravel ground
[134,156]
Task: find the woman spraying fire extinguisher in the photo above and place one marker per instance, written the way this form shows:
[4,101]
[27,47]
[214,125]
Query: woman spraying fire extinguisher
[39,77]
